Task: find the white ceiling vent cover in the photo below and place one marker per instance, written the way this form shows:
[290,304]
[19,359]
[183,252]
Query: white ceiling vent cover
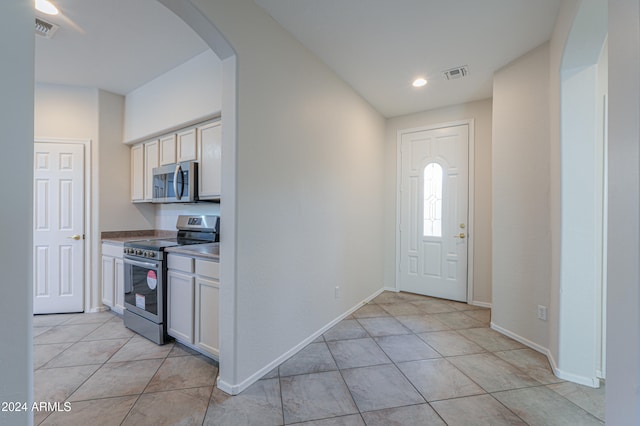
[45,29]
[456,73]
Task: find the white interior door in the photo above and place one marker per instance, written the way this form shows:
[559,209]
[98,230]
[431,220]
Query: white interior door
[58,228]
[434,198]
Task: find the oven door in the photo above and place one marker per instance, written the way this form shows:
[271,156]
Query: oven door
[143,288]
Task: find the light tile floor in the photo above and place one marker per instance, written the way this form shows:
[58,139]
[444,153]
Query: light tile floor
[402,359]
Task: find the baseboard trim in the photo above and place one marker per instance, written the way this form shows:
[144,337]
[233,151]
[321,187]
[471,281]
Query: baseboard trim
[520,339]
[480,304]
[238,388]
[592,382]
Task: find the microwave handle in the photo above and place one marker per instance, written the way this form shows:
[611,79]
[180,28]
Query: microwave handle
[175,182]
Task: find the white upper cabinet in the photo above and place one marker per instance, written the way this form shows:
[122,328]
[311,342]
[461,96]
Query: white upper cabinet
[137,173]
[209,157]
[168,149]
[201,142]
[186,146]
[151,160]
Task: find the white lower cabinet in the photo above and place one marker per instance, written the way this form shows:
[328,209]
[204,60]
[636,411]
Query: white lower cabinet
[113,277]
[206,315]
[180,305]
[192,305]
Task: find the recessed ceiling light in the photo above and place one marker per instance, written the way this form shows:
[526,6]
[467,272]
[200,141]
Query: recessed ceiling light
[45,6]
[419,82]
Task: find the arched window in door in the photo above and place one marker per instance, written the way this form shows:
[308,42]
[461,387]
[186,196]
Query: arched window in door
[432,212]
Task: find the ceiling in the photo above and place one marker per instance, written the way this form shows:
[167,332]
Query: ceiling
[115,45]
[377,46]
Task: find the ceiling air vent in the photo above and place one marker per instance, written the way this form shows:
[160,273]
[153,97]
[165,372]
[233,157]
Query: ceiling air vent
[456,73]
[45,29]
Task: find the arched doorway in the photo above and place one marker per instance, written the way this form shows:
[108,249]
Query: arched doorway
[193,17]
[583,78]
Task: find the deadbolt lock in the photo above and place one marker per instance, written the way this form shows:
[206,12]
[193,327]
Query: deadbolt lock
[462,226]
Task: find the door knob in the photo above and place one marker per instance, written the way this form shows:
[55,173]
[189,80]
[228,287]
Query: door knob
[461,235]
[75,237]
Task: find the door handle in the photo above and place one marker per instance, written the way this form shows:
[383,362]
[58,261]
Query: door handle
[75,237]
[461,236]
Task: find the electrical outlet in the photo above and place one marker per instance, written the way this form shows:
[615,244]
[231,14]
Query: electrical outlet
[337,292]
[542,312]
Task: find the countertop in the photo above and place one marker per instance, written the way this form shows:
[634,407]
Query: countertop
[210,251]
[121,237]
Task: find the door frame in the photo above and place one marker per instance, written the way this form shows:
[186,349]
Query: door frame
[88,228]
[470,205]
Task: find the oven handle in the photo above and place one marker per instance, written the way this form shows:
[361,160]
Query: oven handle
[142,264]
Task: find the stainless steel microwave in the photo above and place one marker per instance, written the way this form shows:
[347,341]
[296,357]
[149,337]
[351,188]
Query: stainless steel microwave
[176,183]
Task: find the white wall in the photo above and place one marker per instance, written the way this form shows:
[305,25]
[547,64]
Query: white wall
[521,186]
[66,112]
[602,111]
[567,193]
[115,207]
[480,111]
[16,246]
[189,91]
[309,196]
[577,160]
[623,292]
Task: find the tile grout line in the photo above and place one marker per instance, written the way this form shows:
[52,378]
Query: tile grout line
[485,351]
[342,377]
[145,387]
[404,375]
[482,338]
[84,381]
[213,388]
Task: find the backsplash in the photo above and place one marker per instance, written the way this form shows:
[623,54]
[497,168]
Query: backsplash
[167,214]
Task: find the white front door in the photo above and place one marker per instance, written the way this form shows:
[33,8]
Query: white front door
[58,222]
[434,212]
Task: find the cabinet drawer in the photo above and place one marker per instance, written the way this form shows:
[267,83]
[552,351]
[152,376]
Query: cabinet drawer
[207,268]
[113,250]
[180,263]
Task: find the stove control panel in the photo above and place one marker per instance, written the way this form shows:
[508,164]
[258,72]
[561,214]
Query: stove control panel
[140,252]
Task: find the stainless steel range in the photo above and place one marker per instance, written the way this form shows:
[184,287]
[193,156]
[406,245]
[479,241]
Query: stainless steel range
[145,274]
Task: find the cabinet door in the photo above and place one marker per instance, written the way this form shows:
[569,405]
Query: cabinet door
[151,160]
[137,173]
[118,287]
[180,306]
[168,149]
[206,315]
[108,280]
[186,146]
[209,157]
